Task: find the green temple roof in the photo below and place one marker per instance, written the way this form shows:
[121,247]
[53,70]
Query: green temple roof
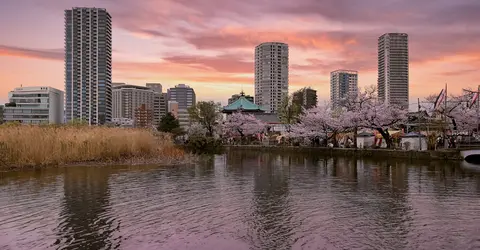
[242,104]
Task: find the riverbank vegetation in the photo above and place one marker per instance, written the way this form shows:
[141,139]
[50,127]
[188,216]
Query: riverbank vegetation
[37,146]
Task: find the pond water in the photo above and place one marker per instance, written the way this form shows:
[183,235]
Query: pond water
[244,200]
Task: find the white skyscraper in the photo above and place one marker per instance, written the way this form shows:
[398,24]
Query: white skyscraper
[88,65]
[393,69]
[271,75]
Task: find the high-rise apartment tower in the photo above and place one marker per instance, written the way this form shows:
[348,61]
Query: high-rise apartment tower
[393,69]
[88,65]
[271,75]
[343,85]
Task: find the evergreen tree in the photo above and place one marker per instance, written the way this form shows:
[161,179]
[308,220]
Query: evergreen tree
[169,124]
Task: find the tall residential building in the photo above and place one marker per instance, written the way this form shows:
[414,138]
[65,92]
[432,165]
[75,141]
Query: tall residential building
[393,69]
[343,83]
[126,98]
[305,97]
[185,97]
[271,75]
[237,96]
[35,105]
[88,65]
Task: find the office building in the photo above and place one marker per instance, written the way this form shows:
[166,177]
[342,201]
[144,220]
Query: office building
[393,69]
[159,102]
[88,65]
[185,97]
[343,84]
[126,98]
[305,97]
[143,117]
[35,105]
[237,96]
[271,75]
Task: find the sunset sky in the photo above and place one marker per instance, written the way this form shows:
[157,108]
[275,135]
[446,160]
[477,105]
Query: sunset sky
[209,44]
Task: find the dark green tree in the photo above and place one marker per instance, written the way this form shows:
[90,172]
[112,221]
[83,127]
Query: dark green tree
[169,124]
[207,114]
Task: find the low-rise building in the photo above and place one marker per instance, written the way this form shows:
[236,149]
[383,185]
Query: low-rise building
[123,122]
[35,105]
[173,108]
[143,117]
[1,114]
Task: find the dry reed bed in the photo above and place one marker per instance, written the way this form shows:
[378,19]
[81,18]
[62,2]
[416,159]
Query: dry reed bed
[35,146]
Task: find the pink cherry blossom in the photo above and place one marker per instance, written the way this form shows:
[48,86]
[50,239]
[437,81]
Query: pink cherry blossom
[240,124]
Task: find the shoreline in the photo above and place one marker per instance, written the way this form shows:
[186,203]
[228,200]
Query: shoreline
[134,161]
[450,155]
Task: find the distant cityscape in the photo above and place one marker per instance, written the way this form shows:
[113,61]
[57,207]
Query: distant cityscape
[91,96]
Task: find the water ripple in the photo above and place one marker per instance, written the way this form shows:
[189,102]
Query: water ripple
[244,201]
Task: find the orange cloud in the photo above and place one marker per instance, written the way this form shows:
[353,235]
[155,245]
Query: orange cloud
[237,37]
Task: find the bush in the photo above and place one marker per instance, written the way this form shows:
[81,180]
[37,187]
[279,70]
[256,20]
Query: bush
[204,145]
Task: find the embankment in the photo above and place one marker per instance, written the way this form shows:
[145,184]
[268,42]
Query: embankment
[389,153]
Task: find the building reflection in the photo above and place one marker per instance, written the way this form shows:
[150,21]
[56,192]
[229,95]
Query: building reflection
[271,206]
[86,219]
[383,205]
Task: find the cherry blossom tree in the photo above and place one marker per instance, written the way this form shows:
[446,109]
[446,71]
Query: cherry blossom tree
[465,119]
[352,106]
[454,113]
[317,121]
[242,124]
[381,116]
[196,129]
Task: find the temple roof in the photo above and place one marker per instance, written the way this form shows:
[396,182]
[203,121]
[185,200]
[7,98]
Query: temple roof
[243,104]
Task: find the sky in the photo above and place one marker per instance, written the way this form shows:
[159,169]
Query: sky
[210,44]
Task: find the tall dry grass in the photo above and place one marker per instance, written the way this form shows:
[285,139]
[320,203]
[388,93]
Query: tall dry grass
[24,146]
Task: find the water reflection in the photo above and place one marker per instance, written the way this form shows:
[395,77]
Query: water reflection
[245,200]
[86,221]
[272,211]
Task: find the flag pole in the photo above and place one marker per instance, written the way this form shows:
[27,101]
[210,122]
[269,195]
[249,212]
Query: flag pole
[445,116]
[446,96]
